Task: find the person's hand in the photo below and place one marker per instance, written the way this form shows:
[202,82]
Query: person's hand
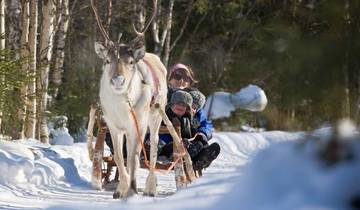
[186,142]
[200,137]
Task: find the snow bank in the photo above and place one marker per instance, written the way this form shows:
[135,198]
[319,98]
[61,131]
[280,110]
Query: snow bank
[21,163]
[17,163]
[291,175]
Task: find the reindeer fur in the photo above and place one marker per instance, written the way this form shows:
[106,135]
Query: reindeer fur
[117,114]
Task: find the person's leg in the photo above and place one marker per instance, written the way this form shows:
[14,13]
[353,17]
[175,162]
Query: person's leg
[109,143]
[195,148]
[167,150]
[206,156]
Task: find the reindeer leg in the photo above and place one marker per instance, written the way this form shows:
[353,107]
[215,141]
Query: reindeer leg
[124,179]
[154,124]
[133,158]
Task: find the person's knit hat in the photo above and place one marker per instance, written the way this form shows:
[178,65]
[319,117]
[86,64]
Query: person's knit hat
[199,99]
[181,97]
[181,67]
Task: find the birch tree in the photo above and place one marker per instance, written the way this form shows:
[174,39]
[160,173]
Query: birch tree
[25,51]
[161,29]
[46,45]
[31,110]
[14,21]
[59,54]
[140,13]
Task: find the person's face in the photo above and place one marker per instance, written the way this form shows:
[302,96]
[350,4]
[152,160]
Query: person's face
[179,80]
[179,109]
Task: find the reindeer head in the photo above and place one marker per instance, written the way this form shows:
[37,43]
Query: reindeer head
[119,60]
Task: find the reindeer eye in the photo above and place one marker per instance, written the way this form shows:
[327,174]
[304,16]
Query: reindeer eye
[107,61]
[132,62]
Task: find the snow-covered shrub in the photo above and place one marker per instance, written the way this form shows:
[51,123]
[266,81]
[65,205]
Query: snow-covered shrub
[59,133]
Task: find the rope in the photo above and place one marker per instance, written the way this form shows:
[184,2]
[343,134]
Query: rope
[177,155]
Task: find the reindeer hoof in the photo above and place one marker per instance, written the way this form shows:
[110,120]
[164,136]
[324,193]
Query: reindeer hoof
[150,194]
[132,192]
[133,187]
[116,195]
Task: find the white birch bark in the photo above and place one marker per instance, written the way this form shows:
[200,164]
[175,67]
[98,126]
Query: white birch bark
[162,32]
[59,53]
[14,22]
[25,22]
[46,45]
[168,34]
[140,14]
[31,110]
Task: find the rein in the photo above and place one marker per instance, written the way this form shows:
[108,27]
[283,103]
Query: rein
[140,141]
[177,155]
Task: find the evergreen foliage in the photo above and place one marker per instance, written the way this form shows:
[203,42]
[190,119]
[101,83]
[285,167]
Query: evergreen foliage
[12,79]
[304,54]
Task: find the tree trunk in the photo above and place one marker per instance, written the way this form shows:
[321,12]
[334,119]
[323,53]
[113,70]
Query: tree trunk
[156,30]
[59,53]
[168,34]
[191,37]
[46,45]
[2,23]
[14,22]
[109,15]
[25,22]
[357,109]
[140,14]
[31,110]
[2,46]
[346,67]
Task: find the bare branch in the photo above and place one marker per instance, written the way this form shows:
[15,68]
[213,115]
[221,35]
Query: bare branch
[101,27]
[189,9]
[150,21]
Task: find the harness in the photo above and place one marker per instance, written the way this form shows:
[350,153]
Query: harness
[182,150]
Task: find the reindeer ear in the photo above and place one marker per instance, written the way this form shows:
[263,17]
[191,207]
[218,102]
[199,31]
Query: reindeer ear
[138,54]
[100,50]
[137,47]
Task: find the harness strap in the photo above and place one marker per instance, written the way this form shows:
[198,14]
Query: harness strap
[177,156]
[155,78]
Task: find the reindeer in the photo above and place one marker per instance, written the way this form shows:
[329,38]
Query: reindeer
[132,88]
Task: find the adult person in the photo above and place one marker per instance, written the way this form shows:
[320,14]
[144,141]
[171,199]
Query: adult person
[180,77]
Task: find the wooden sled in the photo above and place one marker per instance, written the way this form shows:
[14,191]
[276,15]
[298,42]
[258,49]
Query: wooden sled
[103,166]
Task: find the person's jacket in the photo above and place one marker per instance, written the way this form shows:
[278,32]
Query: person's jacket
[201,124]
[185,123]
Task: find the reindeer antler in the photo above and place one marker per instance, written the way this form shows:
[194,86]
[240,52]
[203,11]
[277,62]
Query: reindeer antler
[148,24]
[101,27]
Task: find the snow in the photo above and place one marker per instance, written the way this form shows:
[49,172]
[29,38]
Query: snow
[265,170]
[221,104]
[61,136]
[59,133]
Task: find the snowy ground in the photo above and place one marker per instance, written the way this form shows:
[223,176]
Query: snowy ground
[254,171]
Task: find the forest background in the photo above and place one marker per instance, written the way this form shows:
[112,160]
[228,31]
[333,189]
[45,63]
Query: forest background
[303,53]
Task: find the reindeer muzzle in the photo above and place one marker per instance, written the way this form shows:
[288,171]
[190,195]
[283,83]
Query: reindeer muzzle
[118,82]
